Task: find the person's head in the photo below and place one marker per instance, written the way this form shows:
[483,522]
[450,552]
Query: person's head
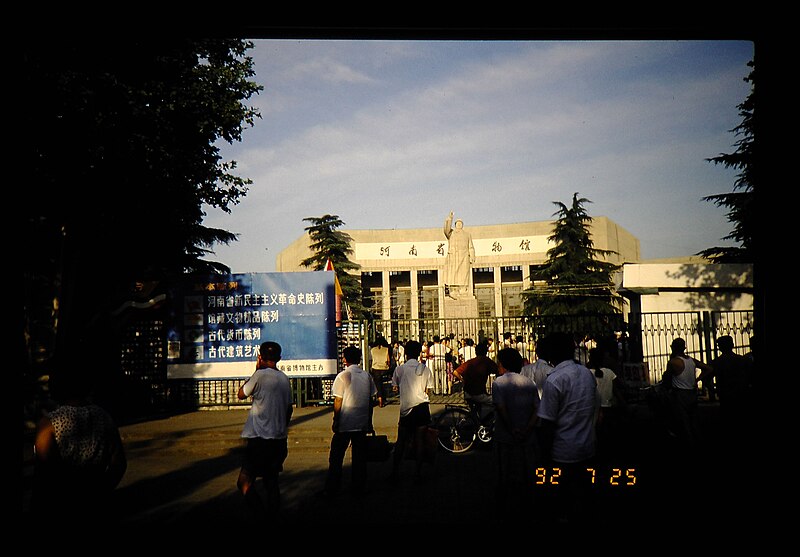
[725,343]
[542,350]
[459,224]
[506,336]
[413,349]
[270,352]
[482,349]
[436,338]
[595,357]
[509,359]
[469,341]
[351,355]
[561,347]
[70,385]
[678,346]
[595,361]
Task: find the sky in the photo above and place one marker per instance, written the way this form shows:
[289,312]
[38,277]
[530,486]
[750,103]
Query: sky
[395,134]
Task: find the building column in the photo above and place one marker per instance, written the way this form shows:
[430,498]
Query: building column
[440,291]
[414,294]
[498,292]
[386,296]
[526,276]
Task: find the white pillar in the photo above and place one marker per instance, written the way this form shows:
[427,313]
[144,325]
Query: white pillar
[386,296]
[526,276]
[440,290]
[414,295]
[498,293]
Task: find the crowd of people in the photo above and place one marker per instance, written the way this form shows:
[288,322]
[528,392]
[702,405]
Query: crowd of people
[553,412]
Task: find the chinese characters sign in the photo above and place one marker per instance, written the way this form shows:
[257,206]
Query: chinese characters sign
[523,245]
[220,322]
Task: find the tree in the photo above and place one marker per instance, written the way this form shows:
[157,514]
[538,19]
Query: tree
[575,281]
[329,243]
[741,201]
[121,148]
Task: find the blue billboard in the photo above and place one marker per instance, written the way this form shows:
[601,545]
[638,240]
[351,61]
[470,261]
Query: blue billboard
[218,323]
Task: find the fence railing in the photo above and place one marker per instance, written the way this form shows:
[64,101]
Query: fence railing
[642,343]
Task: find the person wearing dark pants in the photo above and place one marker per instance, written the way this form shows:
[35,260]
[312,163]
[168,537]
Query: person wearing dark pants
[266,431]
[567,414]
[353,391]
[413,379]
[381,357]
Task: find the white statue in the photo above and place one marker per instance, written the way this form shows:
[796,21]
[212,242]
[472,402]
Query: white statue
[460,257]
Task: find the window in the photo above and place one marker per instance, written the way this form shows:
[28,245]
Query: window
[485,297]
[401,304]
[512,300]
[429,303]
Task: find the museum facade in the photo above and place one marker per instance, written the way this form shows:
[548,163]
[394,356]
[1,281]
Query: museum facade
[403,270]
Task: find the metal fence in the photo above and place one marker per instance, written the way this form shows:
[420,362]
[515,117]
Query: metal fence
[642,342]
[699,329]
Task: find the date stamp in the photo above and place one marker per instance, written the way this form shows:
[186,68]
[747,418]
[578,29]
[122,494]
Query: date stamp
[612,477]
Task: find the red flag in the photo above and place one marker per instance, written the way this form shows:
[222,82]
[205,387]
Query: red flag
[329,267]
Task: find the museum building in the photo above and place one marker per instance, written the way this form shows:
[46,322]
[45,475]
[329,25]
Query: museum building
[402,270]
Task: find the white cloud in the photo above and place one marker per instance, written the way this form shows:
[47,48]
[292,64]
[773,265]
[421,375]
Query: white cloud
[388,135]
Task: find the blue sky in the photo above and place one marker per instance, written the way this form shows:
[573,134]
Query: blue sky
[395,134]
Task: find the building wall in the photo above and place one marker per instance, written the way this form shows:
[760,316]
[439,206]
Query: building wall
[691,284]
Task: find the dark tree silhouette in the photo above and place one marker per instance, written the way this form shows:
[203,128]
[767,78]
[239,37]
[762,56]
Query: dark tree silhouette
[573,280]
[741,201]
[121,149]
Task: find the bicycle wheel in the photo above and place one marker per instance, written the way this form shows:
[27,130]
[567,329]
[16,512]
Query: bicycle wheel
[456,430]
[486,429]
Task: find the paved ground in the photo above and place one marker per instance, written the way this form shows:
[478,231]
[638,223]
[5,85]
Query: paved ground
[183,469]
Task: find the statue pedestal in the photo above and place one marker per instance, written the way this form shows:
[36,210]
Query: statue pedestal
[461,308]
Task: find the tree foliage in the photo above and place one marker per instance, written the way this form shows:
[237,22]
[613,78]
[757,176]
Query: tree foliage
[741,201]
[121,148]
[574,280]
[329,243]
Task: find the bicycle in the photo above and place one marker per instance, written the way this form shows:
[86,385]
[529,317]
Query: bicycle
[460,425]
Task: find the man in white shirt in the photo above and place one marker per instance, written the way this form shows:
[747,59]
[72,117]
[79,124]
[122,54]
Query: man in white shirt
[413,380]
[266,429]
[466,352]
[541,368]
[437,364]
[352,390]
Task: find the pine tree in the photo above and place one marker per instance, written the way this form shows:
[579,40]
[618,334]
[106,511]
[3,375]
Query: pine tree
[329,243]
[576,281]
[741,201]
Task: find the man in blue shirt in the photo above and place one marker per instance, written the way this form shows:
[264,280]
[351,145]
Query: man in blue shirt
[567,413]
